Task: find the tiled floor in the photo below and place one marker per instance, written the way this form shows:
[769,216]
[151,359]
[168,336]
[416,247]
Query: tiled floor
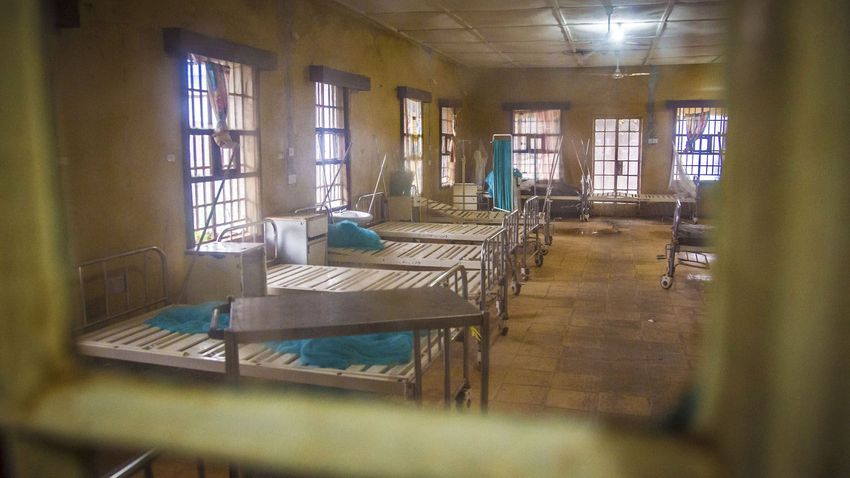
[591,335]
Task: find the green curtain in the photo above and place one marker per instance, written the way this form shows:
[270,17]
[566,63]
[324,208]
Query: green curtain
[502,174]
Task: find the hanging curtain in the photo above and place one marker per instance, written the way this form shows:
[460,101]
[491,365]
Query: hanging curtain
[682,185]
[696,124]
[217,96]
[502,174]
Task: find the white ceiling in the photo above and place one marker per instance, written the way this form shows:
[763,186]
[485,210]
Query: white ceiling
[557,33]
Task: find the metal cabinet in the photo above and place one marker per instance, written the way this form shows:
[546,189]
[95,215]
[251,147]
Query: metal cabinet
[225,269]
[302,239]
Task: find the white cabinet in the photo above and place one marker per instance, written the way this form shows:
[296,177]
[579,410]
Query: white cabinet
[302,239]
[225,269]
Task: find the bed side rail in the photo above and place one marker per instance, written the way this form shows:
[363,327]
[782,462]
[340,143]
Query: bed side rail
[511,223]
[677,219]
[254,232]
[119,285]
[494,257]
[454,279]
[531,215]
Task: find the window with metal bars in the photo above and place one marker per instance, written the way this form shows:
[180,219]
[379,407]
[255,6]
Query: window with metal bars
[535,142]
[332,138]
[411,134]
[700,139]
[616,155]
[232,174]
[447,146]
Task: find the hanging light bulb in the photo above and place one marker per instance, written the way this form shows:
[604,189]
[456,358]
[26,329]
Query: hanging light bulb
[617,33]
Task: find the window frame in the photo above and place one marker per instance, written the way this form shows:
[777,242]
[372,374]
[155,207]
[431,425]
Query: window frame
[345,131]
[618,163]
[544,151]
[448,153]
[708,105]
[218,172]
[418,179]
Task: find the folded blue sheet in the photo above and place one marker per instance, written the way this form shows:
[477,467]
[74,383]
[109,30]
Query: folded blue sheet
[342,352]
[349,234]
[334,352]
[188,319]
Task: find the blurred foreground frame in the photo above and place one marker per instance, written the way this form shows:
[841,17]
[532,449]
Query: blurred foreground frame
[774,378]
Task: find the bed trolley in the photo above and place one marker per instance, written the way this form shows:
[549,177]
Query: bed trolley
[687,246]
[528,241]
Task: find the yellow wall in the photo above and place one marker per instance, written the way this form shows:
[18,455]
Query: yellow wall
[118,112]
[592,93]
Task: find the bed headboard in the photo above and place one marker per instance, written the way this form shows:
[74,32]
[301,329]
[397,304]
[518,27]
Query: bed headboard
[264,231]
[122,284]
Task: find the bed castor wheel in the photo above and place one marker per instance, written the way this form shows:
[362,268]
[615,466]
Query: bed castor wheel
[544,251]
[516,287]
[504,331]
[464,399]
[666,281]
[538,260]
[548,241]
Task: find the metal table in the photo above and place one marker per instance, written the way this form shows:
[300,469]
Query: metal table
[295,315]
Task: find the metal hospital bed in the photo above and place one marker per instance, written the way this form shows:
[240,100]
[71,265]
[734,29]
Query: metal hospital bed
[489,259]
[586,200]
[121,292]
[523,229]
[687,246]
[435,211]
[429,233]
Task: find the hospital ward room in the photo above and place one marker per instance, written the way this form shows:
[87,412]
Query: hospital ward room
[268,238]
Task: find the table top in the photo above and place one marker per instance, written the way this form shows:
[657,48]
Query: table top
[301,315]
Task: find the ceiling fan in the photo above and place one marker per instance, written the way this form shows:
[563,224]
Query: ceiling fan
[619,75]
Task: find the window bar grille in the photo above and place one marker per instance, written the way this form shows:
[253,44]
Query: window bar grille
[704,160]
[210,166]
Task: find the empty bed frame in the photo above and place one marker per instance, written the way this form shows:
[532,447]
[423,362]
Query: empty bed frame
[458,233]
[586,199]
[523,230]
[119,331]
[435,211]
[489,258]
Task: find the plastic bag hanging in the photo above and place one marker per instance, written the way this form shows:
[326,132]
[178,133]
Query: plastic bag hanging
[218,99]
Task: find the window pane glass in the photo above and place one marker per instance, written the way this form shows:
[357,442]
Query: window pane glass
[536,135]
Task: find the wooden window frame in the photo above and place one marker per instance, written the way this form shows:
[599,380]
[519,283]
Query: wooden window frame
[237,188]
[345,132]
[619,164]
[448,164]
[543,138]
[179,44]
[699,169]
[405,93]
